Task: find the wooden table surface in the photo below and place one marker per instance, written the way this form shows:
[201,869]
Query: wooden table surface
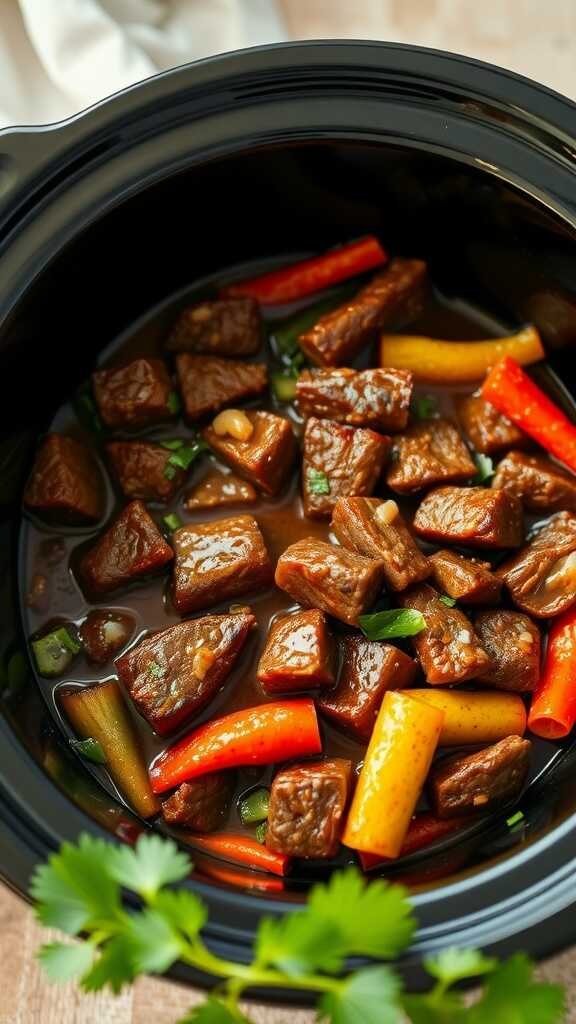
[534,38]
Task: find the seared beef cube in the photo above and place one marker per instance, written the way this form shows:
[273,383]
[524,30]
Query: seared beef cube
[513,642]
[541,578]
[395,293]
[218,490]
[104,633]
[134,395]
[298,654]
[538,482]
[209,384]
[65,481]
[339,461]
[141,470]
[482,781]
[430,452]
[465,579]
[218,560]
[131,547]
[367,398]
[368,670]
[375,528]
[487,429]
[202,804]
[173,674]
[448,647]
[473,516]
[222,327]
[307,805]
[319,575]
[266,458]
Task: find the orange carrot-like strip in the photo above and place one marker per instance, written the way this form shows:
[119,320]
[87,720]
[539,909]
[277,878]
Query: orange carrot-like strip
[241,850]
[553,710]
[237,877]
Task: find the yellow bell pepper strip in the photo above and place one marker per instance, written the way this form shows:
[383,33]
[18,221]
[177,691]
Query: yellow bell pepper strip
[481,717]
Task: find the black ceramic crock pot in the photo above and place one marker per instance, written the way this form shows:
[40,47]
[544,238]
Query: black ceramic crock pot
[243,157]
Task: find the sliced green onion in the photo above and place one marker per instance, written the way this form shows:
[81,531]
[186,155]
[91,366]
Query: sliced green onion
[287,333]
[485,468]
[173,445]
[183,457]
[448,601]
[174,402]
[318,482]
[424,407]
[90,749]
[254,807]
[86,411]
[515,819]
[260,831]
[283,386]
[396,622]
[54,652]
[172,521]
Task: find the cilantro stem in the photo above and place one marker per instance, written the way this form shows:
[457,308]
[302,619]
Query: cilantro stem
[241,976]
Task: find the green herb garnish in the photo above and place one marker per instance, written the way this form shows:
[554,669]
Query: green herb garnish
[283,386]
[90,749]
[174,403]
[254,807]
[154,669]
[172,522]
[173,445]
[515,819]
[55,652]
[260,831]
[182,456]
[318,482]
[447,600]
[396,622]
[485,468]
[424,407]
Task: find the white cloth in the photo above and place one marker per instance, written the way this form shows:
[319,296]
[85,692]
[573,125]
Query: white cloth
[59,56]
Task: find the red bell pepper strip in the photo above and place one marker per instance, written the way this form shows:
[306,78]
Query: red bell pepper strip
[238,878]
[553,710]
[261,735]
[424,829]
[516,395]
[309,276]
[242,850]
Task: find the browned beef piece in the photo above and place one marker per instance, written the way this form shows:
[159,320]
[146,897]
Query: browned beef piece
[395,293]
[448,647]
[307,805]
[473,516]
[541,578]
[218,490]
[487,429]
[482,781]
[222,327]
[375,528]
[430,452]
[465,579]
[142,470]
[202,804]
[378,398]
[368,670]
[339,461]
[266,459]
[131,547]
[298,654]
[134,395]
[513,642]
[538,482]
[218,560]
[319,575]
[105,632]
[208,383]
[173,674]
[66,481]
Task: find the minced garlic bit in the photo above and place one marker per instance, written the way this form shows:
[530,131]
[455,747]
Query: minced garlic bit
[233,422]
[464,636]
[526,636]
[386,512]
[202,661]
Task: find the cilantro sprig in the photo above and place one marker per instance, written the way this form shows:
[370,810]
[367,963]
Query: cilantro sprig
[79,891]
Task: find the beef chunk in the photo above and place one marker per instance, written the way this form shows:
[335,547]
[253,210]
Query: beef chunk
[209,384]
[202,804]
[538,482]
[298,654]
[134,395]
[465,579]
[486,428]
[104,633]
[379,399]
[319,575]
[217,490]
[141,470]
[482,781]
[513,642]
[222,327]
[339,461]
[541,578]
[375,528]
[472,516]
[307,805]
[131,547]
[448,648]
[368,670]
[266,458]
[173,674]
[65,481]
[429,453]
[218,560]
[395,293]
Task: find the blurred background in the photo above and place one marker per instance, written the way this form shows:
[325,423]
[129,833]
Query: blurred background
[59,56]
